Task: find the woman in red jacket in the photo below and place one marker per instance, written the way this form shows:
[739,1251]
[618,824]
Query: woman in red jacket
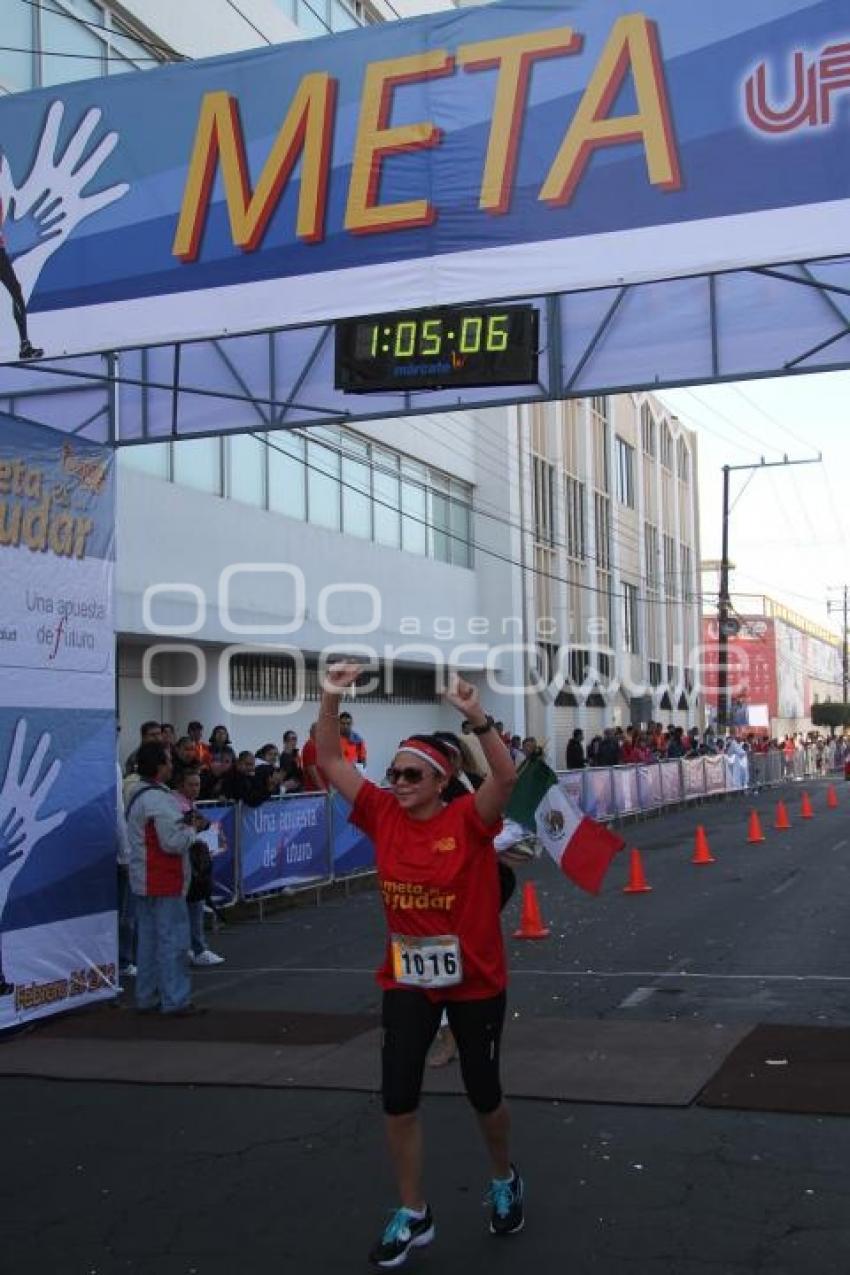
[439,883]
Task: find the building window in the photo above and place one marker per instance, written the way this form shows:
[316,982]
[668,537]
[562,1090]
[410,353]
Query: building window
[683,460]
[262,678]
[685,558]
[647,430]
[197,464]
[574,503]
[246,469]
[650,538]
[630,618]
[671,568]
[654,673]
[602,525]
[323,485]
[543,500]
[624,457]
[599,405]
[666,446]
[287,475]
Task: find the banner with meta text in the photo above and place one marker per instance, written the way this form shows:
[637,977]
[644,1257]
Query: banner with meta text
[504,150]
[58,934]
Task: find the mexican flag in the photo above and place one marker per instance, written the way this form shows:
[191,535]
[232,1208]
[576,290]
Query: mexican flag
[581,847]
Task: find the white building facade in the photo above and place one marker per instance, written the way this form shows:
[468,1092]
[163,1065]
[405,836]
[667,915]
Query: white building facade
[558,539]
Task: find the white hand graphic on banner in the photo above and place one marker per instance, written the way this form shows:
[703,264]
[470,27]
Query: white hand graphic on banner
[21,798]
[42,212]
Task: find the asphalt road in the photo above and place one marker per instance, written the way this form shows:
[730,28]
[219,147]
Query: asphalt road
[159,1180]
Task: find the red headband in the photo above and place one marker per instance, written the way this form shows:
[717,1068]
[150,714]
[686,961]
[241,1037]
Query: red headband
[425,751]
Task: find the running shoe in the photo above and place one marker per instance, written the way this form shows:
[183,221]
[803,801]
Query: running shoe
[404,1232]
[206,958]
[506,1198]
[29,351]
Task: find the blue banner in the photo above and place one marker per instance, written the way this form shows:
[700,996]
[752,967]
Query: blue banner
[496,151]
[284,843]
[352,849]
[221,841]
[58,790]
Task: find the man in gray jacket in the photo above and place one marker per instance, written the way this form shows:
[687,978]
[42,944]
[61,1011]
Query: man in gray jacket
[160,837]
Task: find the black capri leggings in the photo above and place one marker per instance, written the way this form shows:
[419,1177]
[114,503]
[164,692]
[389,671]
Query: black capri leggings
[410,1021]
[9,280]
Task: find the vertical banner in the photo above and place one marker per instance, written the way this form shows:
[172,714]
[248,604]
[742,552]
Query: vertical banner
[284,843]
[58,934]
[625,781]
[352,849]
[220,840]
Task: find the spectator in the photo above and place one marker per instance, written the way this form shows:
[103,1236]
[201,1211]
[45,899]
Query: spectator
[195,731]
[267,755]
[215,777]
[241,783]
[167,734]
[183,756]
[160,838]
[515,750]
[148,733]
[531,748]
[124,903]
[291,764]
[353,745]
[609,749]
[575,751]
[314,780]
[187,792]
[219,741]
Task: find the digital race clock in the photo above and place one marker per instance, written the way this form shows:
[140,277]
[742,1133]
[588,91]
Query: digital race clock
[433,349]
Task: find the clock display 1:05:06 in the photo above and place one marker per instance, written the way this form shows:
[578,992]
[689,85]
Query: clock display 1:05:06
[428,338]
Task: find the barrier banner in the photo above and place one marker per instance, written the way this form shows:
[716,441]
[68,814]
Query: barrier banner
[598,793]
[352,849]
[572,782]
[58,931]
[625,789]
[503,150]
[221,842]
[671,781]
[693,776]
[283,843]
[716,773]
[650,786]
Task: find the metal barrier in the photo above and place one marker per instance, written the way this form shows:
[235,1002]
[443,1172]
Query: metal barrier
[304,840]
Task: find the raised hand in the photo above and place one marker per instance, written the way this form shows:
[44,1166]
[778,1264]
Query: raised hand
[21,798]
[41,212]
[339,677]
[464,697]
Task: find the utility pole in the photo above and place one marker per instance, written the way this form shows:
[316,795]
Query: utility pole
[726,624]
[842,606]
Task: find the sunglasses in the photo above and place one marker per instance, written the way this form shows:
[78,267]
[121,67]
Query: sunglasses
[409,774]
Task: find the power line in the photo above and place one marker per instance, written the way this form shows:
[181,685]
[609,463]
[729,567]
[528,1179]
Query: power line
[86,57]
[450,535]
[99,26]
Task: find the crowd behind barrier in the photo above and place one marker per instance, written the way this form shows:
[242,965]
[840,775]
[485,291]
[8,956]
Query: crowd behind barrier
[290,843]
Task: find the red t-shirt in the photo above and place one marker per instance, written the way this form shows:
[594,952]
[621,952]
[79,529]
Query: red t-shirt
[438,876]
[309,757]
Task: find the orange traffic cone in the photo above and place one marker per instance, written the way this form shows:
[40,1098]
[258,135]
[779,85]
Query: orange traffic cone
[806,811]
[702,854]
[781,821]
[530,924]
[754,832]
[832,797]
[637,880]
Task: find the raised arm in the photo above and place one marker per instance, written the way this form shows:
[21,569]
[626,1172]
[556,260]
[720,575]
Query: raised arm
[339,773]
[492,797]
